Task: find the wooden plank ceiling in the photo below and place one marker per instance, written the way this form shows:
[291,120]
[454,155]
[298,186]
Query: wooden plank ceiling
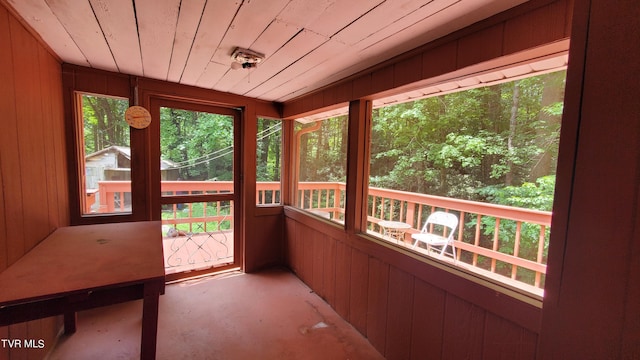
[307,43]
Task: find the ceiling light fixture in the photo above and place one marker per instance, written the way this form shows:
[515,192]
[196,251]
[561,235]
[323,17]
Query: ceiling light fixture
[246,59]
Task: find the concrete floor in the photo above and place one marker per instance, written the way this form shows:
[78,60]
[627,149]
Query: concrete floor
[269,315]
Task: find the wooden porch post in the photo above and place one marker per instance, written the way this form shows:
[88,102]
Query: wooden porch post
[357,166]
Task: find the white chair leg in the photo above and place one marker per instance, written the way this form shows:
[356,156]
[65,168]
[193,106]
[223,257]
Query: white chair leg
[444,248]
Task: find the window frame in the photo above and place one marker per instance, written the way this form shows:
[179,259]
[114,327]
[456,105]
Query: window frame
[76,154]
[82,169]
[296,165]
[361,225]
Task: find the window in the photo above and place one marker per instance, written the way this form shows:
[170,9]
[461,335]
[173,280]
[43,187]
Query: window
[488,156]
[268,161]
[321,163]
[106,155]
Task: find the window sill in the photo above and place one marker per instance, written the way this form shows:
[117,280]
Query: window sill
[520,291]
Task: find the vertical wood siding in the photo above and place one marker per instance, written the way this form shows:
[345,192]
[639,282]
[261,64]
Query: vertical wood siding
[401,314]
[592,297]
[33,169]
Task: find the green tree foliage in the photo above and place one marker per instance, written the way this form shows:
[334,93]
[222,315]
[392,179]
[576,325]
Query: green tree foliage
[323,153]
[268,150]
[457,144]
[103,122]
[201,144]
[538,195]
[322,157]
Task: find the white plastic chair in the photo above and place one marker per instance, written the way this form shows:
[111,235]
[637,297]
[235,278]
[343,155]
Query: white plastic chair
[438,221]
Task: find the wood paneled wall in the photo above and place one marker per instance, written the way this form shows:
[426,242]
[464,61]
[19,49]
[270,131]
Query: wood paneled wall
[529,27]
[592,292]
[33,169]
[406,308]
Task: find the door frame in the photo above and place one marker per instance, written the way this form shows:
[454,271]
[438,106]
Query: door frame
[157,200]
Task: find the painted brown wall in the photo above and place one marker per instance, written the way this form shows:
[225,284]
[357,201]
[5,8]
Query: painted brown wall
[33,172]
[592,301]
[406,308]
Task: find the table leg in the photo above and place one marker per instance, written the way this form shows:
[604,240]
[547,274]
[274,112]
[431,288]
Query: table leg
[70,322]
[150,320]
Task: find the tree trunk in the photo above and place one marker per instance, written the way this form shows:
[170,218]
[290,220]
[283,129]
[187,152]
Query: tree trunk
[512,132]
[497,124]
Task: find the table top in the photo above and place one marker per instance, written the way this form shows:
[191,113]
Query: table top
[81,258]
[394,224]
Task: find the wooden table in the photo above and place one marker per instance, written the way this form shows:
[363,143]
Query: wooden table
[83,267]
[394,229]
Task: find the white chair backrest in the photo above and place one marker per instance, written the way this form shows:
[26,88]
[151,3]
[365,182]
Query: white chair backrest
[444,219]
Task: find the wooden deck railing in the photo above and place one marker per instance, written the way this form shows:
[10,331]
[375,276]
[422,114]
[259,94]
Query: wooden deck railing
[490,237]
[475,240]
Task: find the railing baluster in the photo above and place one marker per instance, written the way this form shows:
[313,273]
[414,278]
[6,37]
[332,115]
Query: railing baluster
[516,249]
[374,199]
[326,199]
[476,240]
[496,239]
[204,215]
[541,239]
[175,211]
[218,216]
[392,209]
[111,200]
[411,208]
[336,201]
[302,200]
[460,232]
[307,199]
[190,215]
